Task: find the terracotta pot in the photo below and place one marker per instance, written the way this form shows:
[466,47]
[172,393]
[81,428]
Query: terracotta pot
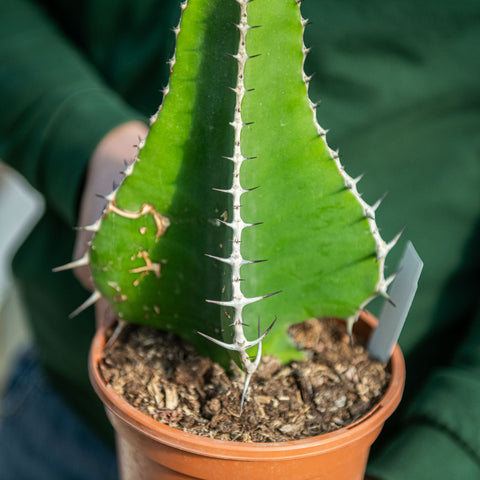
[150,450]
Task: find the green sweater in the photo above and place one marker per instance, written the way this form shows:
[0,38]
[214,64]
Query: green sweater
[399,84]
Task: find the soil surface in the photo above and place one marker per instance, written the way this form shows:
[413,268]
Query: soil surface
[164,377]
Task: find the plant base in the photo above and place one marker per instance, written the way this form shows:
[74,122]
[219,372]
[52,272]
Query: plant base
[151,450]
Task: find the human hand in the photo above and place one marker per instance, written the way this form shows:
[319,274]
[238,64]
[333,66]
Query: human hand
[104,170]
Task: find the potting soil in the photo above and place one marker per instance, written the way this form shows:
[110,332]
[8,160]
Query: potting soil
[165,378]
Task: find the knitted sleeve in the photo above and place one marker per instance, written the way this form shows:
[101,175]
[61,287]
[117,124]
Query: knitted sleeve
[55,106]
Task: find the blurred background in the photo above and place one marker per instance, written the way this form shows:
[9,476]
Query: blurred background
[20,208]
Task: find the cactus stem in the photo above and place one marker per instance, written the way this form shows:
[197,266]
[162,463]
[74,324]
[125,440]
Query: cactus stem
[81,262]
[94,297]
[238,300]
[381,248]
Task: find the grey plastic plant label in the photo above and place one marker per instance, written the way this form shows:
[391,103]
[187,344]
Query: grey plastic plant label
[394,313]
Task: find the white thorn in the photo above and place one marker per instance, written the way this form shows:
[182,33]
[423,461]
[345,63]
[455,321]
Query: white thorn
[165,90]
[238,302]
[121,324]
[81,262]
[94,297]
[109,198]
[141,143]
[223,190]
[239,348]
[357,179]
[395,239]
[381,250]
[228,346]
[220,259]
[249,262]
[351,322]
[248,377]
[258,342]
[378,202]
[256,299]
[383,293]
[227,303]
[369,212]
[94,227]
[127,171]
[349,182]
[153,118]
[227,224]
[388,281]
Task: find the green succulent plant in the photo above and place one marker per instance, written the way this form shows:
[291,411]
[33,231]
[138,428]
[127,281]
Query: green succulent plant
[236,212]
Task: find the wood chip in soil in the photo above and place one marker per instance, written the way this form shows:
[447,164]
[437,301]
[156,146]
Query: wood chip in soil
[162,376]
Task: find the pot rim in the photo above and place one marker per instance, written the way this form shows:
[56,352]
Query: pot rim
[212,447]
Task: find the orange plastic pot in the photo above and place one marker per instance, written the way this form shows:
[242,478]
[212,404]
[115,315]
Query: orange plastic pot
[149,450]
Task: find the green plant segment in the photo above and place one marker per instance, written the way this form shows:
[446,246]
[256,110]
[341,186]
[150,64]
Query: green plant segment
[235,195]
